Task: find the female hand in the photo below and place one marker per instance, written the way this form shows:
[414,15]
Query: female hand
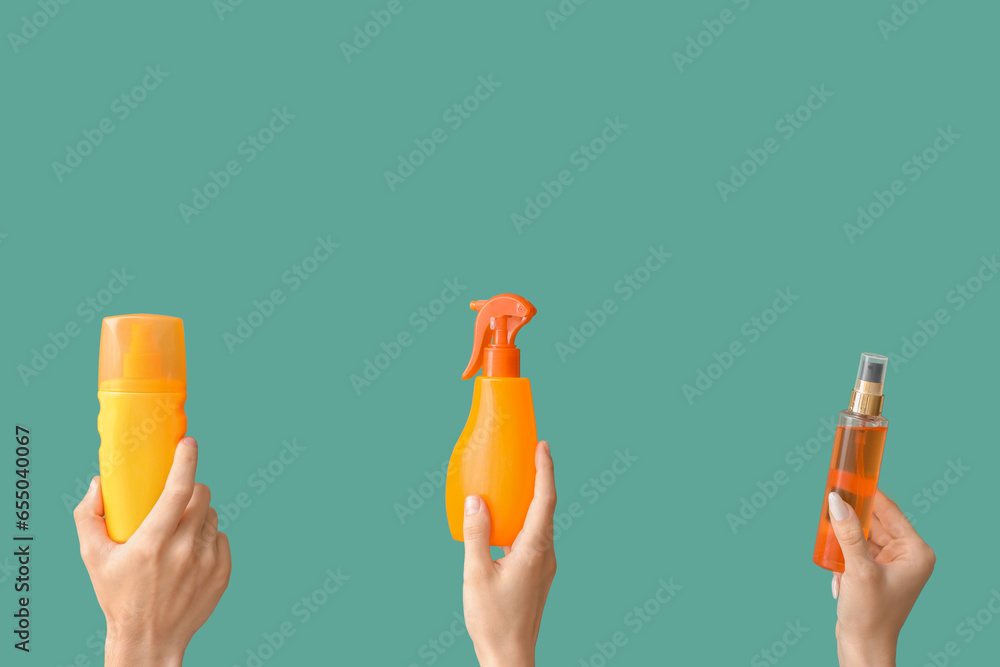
[504,599]
[881,581]
[159,587]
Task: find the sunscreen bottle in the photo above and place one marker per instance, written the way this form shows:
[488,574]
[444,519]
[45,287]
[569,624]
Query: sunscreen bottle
[495,455]
[142,386]
[857,458]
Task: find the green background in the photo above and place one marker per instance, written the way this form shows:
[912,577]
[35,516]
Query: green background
[323,176]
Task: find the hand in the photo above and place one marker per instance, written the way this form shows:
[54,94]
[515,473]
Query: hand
[504,599]
[882,579]
[159,587]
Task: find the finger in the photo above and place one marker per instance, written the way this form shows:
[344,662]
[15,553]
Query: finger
[893,550]
[197,509]
[537,530]
[476,533]
[877,533]
[166,514]
[210,530]
[506,551]
[89,517]
[847,528]
[892,517]
[225,557]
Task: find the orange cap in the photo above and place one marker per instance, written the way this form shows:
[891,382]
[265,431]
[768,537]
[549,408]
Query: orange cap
[503,316]
[142,353]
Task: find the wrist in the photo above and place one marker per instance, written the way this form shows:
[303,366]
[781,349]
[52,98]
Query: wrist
[868,652]
[506,657]
[132,650]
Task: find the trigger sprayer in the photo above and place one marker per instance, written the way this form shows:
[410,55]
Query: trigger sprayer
[495,455]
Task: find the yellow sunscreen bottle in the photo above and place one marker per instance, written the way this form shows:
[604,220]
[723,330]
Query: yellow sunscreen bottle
[142,386]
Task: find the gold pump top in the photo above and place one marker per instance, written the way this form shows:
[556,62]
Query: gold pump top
[142,353]
[867,396]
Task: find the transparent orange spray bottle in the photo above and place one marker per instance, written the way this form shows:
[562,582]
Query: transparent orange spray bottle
[142,386]
[857,458]
[495,455]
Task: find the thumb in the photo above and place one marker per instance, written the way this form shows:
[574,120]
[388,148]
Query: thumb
[847,528]
[476,533]
[162,520]
[89,517]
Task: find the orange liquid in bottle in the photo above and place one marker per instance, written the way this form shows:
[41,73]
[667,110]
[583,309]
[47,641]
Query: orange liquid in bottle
[854,468]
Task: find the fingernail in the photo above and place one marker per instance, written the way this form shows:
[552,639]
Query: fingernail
[838,508]
[189,441]
[472,505]
[835,586]
[545,446]
[93,485]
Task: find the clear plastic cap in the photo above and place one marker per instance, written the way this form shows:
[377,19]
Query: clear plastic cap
[872,368]
[142,353]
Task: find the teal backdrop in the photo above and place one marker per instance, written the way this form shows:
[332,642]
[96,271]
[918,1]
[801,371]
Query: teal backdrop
[668,183]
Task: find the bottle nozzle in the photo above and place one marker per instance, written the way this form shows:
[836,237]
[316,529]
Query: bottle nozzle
[142,353]
[142,358]
[872,368]
[867,396]
[497,324]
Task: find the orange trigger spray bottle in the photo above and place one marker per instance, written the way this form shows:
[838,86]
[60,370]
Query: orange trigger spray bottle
[142,386]
[495,455]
